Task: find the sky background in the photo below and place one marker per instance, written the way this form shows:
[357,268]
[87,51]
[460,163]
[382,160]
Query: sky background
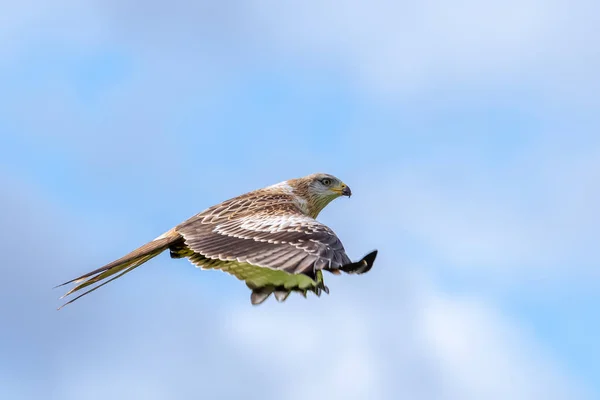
[467,130]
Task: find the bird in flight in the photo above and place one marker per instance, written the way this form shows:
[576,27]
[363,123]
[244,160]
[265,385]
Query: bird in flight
[269,238]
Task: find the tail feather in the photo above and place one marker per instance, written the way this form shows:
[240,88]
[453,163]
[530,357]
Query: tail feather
[94,288]
[121,266]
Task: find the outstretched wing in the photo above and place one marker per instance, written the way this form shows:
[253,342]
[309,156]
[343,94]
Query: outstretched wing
[273,234]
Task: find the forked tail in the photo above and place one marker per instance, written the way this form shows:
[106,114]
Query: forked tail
[121,266]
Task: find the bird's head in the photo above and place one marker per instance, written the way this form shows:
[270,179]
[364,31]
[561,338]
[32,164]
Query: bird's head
[318,190]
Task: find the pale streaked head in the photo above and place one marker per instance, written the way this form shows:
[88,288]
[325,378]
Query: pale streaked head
[318,190]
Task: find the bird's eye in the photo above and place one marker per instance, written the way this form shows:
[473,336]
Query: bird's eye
[326,181]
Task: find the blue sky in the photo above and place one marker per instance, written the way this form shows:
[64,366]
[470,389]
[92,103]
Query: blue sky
[467,131]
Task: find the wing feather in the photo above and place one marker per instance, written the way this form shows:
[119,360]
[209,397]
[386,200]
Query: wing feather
[267,231]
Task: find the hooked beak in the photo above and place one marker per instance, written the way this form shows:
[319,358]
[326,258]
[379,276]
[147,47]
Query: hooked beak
[342,190]
[346,191]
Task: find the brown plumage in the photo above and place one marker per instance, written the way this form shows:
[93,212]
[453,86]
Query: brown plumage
[268,238]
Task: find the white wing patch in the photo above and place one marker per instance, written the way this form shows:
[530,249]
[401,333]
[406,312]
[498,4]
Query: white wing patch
[284,186]
[279,223]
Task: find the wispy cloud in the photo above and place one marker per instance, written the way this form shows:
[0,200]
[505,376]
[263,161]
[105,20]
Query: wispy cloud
[436,345]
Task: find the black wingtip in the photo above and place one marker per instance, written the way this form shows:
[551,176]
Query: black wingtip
[362,266]
[370,258]
[368,261]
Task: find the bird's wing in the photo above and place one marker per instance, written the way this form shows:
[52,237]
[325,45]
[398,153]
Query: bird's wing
[265,231]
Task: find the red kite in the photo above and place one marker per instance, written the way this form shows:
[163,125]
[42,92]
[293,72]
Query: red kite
[269,238]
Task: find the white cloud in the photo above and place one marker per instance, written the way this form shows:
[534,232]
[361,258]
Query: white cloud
[391,47]
[436,346]
[326,354]
[482,355]
[400,45]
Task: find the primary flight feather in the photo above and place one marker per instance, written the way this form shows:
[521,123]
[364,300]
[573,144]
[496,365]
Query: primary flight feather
[269,238]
